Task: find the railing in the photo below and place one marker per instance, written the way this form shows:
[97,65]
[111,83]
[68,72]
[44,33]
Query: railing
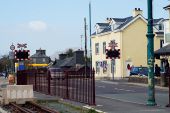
[72,85]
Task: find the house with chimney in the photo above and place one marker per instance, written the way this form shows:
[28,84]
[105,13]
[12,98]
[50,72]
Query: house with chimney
[128,35]
[39,59]
[69,63]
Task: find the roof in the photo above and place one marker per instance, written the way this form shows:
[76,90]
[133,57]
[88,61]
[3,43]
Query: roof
[163,51]
[65,62]
[167,7]
[121,19]
[128,19]
[103,24]
[38,55]
[157,20]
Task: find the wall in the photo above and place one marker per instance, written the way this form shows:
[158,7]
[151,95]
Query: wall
[135,44]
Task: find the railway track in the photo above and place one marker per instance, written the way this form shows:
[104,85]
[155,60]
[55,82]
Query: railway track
[30,107]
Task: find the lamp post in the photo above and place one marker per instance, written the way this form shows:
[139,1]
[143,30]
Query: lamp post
[150,56]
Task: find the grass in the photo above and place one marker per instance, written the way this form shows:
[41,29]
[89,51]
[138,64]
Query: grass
[64,107]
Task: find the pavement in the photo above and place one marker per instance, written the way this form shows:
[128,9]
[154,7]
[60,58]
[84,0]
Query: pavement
[137,97]
[121,100]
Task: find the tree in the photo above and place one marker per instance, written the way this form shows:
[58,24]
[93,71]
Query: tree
[4,63]
[69,52]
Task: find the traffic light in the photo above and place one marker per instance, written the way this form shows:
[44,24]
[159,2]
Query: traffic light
[21,54]
[112,53]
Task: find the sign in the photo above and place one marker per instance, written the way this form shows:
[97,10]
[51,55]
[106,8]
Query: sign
[12,47]
[22,54]
[112,44]
[21,45]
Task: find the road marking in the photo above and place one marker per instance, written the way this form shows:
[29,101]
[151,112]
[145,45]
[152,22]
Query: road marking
[89,107]
[152,110]
[115,83]
[124,90]
[99,105]
[121,100]
[101,86]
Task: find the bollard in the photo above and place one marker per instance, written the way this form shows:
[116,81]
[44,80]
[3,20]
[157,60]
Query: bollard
[169,91]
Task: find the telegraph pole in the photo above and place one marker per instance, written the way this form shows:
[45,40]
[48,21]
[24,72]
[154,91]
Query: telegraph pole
[85,36]
[150,56]
[90,36]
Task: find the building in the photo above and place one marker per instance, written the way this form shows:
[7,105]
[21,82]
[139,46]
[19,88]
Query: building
[167,27]
[66,62]
[129,34]
[39,59]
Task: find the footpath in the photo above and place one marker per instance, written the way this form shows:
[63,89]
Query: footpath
[116,103]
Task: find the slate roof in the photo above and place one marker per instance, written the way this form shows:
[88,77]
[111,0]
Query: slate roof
[38,55]
[65,62]
[124,22]
[157,20]
[127,20]
[166,7]
[121,19]
[103,24]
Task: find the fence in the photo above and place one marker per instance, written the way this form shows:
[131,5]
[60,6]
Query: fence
[72,85]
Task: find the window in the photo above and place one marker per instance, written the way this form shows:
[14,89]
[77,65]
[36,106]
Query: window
[104,65]
[161,43]
[97,67]
[160,27]
[104,47]
[97,48]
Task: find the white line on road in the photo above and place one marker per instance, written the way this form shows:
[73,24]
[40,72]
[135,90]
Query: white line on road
[101,86]
[89,107]
[124,90]
[115,83]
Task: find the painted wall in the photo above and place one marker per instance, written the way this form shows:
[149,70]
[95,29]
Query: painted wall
[135,44]
[102,56]
[132,42]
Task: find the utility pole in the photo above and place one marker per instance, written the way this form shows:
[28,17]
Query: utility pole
[85,36]
[81,36]
[150,56]
[90,36]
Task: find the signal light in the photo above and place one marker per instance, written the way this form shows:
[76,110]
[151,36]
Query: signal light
[22,54]
[112,53]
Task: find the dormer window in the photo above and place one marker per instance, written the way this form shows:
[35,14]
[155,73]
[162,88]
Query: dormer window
[160,27]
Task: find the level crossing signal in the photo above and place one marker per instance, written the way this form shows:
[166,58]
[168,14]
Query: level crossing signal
[22,54]
[112,53]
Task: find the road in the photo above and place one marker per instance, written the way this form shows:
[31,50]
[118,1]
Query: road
[122,97]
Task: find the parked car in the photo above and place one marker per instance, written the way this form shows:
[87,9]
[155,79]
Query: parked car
[2,74]
[142,71]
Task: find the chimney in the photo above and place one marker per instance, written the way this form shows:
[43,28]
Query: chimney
[79,57]
[40,51]
[109,20]
[62,56]
[137,11]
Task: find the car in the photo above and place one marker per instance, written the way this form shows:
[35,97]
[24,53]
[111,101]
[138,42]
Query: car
[2,74]
[142,71]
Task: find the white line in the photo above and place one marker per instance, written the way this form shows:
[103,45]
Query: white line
[108,82]
[89,107]
[124,90]
[121,100]
[101,86]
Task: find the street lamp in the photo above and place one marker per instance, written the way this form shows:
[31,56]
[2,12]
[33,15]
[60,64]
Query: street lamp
[150,56]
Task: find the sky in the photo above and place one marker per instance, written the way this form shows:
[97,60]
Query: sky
[56,25]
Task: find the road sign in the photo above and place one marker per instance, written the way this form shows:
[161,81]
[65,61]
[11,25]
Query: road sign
[12,47]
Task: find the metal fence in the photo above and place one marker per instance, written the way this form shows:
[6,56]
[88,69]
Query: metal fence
[72,85]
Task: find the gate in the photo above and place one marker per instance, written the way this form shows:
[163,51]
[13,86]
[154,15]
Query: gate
[72,85]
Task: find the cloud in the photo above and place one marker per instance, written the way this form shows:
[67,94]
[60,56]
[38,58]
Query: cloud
[37,25]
